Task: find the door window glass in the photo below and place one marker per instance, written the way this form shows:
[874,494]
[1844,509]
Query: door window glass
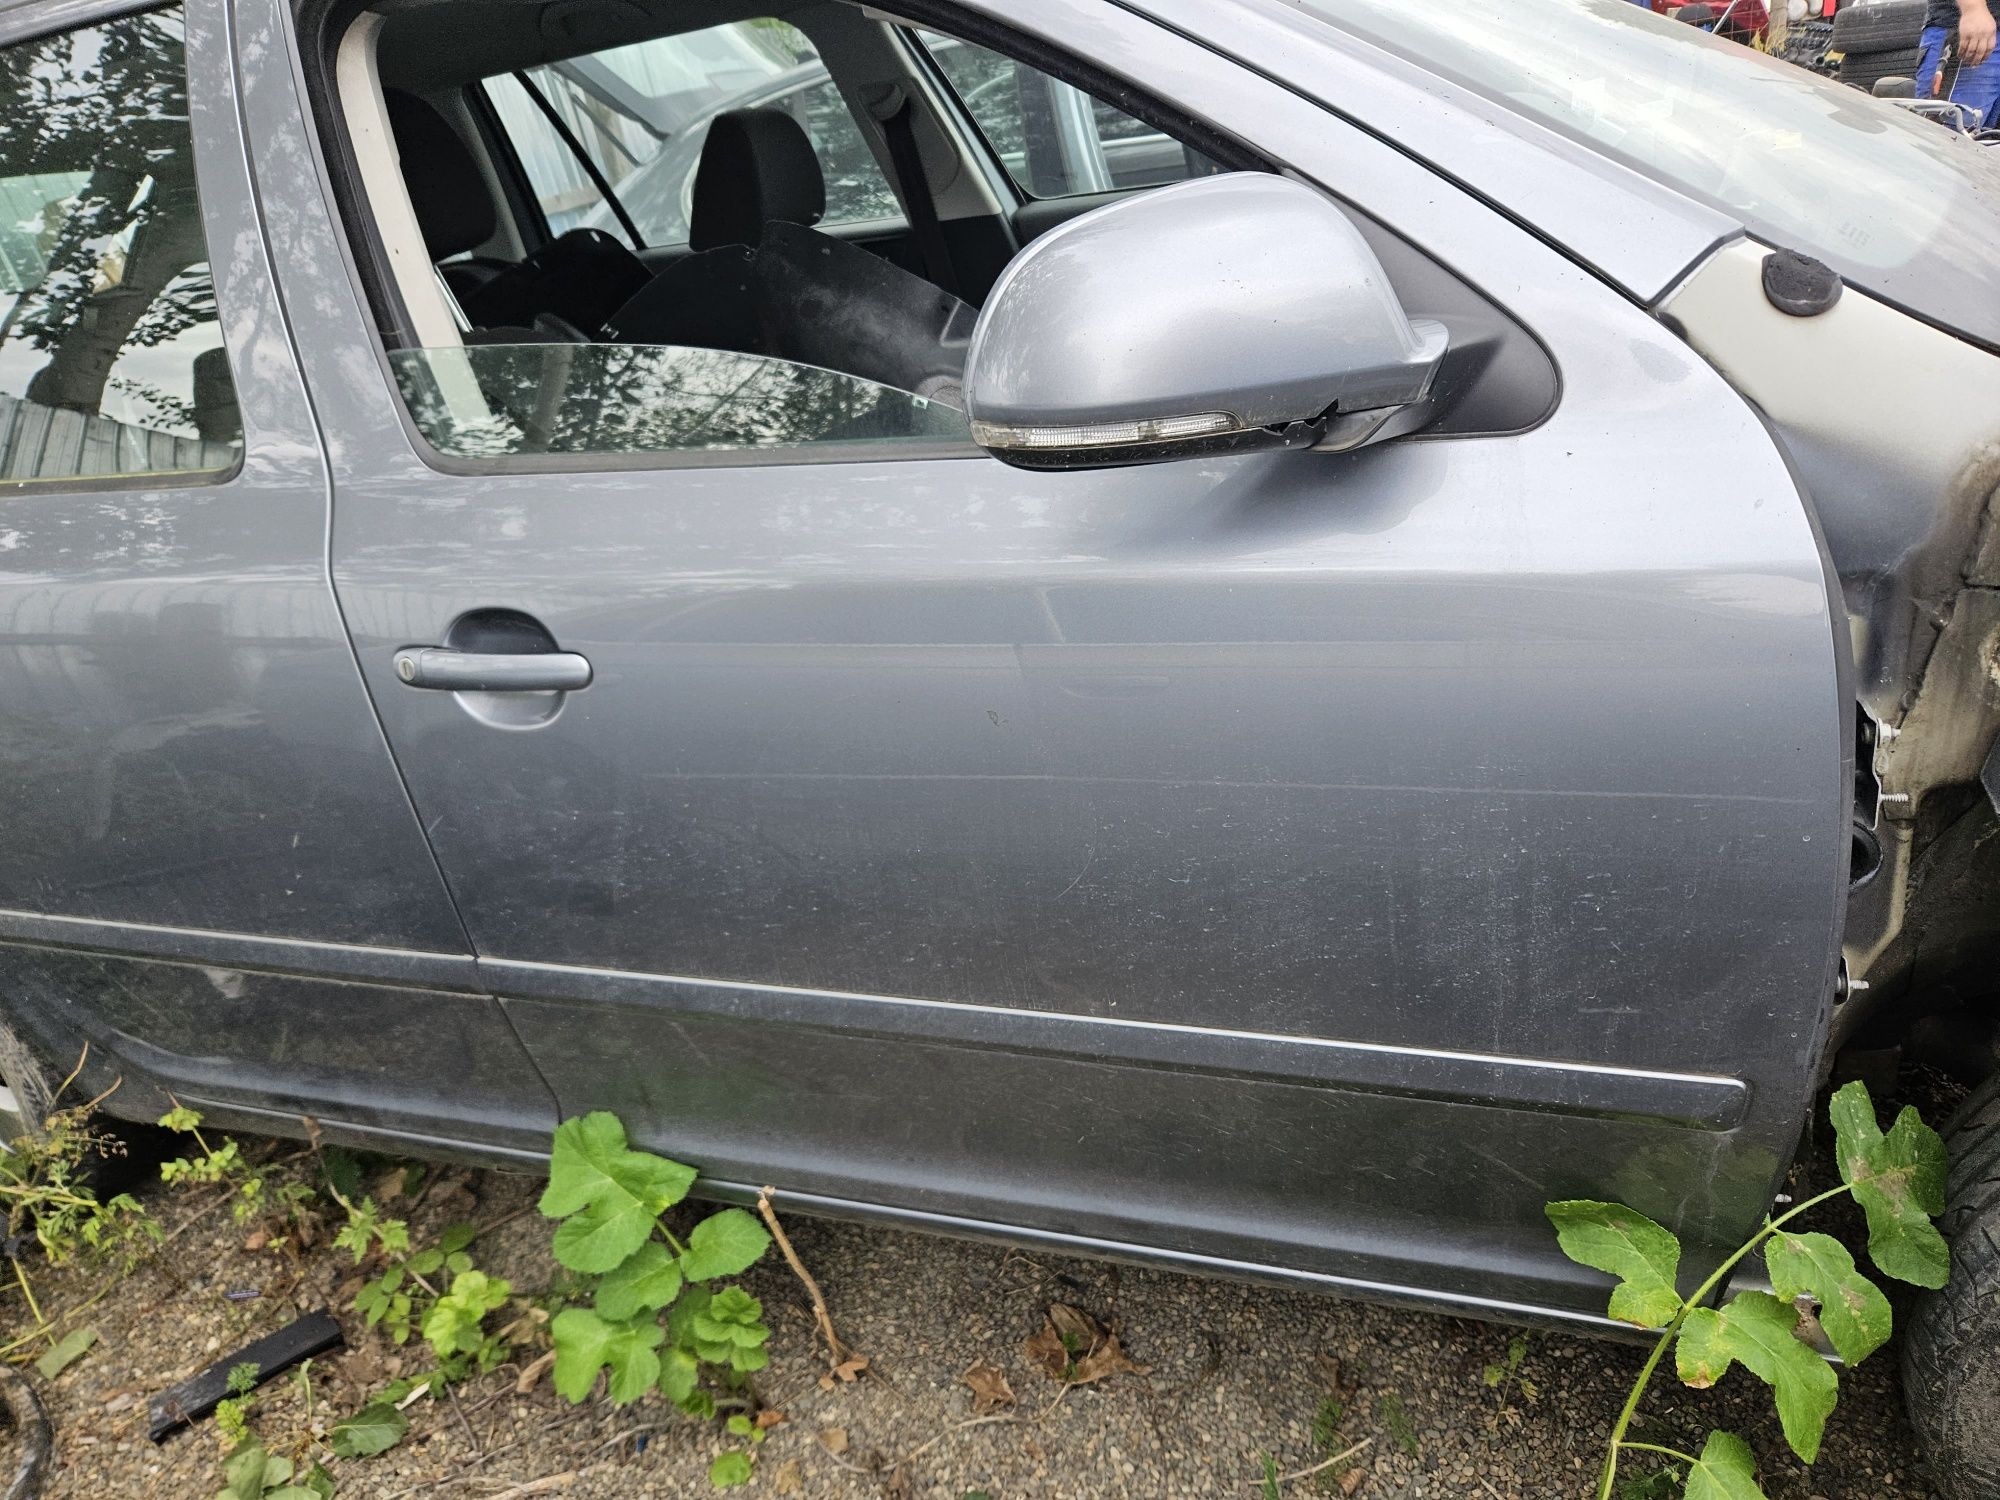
[506,400]
[1055,140]
[111,359]
[642,112]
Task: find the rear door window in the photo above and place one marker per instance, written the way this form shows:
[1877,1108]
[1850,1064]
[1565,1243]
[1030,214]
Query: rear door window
[1053,139]
[111,358]
[642,112]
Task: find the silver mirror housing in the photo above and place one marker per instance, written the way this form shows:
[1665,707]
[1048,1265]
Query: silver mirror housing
[1227,313]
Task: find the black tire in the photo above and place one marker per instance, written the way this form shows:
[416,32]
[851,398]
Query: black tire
[29,1089]
[33,1436]
[1951,1343]
[1862,71]
[1890,26]
[1807,43]
[28,1095]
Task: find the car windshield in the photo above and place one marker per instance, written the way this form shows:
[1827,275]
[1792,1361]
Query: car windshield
[1900,206]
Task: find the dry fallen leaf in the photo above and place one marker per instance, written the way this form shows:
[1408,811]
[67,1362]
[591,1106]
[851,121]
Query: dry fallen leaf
[1351,1480]
[897,1486]
[525,1381]
[517,1331]
[770,1416]
[1075,1348]
[1106,1359]
[362,1369]
[257,1239]
[990,1390]
[1045,1351]
[785,1478]
[834,1440]
[848,1370]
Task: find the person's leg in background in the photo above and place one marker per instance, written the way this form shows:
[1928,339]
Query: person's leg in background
[1974,81]
[1979,90]
[1930,53]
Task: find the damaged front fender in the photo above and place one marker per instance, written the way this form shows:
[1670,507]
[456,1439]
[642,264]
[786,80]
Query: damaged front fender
[1894,427]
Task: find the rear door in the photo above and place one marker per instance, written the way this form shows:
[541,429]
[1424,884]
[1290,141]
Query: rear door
[211,873]
[1298,861]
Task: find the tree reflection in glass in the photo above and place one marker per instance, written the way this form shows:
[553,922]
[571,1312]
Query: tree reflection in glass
[501,400]
[101,244]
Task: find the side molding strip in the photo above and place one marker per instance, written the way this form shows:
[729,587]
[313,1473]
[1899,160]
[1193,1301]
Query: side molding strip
[241,950]
[1696,1101]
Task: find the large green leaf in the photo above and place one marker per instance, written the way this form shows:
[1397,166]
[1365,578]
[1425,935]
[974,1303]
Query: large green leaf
[376,1428]
[1624,1242]
[727,1331]
[243,1471]
[586,1343]
[607,1194]
[1852,1309]
[678,1371]
[1726,1470]
[724,1244]
[692,1302]
[65,1354]
[729,1470]
[1898,1179]
[644,1282]
[453,1322]
[1759,1330]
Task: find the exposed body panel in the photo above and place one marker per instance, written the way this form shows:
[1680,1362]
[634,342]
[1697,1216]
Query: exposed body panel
[1905,475]
[1010,847]
[1903,471]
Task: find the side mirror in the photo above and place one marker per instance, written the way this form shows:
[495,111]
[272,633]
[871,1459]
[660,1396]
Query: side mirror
[1220,315]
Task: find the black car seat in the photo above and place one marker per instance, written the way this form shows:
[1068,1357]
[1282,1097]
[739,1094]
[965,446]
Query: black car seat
[761,280]
[574,281]
[454,210]
[757,166]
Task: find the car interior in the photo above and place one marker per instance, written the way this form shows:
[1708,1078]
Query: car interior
[817,184]
[597,231]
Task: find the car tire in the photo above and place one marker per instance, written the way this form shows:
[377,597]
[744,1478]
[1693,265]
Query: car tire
[27,1089]
[1862,71]
[1951,1343]
[1890,26]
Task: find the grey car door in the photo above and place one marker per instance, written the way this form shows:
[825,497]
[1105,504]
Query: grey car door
[1302,862]
[211,874]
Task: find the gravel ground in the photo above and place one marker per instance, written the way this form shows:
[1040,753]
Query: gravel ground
[1232,1373]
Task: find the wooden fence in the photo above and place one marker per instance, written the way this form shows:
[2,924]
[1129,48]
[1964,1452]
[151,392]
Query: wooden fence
[41,442]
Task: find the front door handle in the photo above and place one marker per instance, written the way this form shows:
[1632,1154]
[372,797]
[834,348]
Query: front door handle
[492,672]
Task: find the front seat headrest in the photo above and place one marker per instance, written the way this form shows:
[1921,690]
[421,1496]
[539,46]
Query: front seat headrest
[446,186]
[757,165]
